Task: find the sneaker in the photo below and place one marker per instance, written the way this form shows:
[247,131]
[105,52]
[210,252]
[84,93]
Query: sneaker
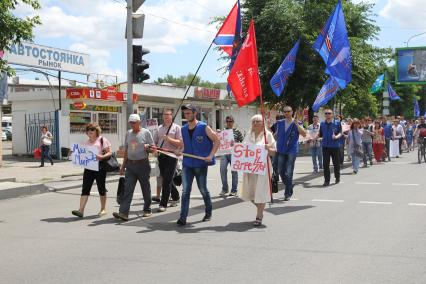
[371,163]
[223,193]
[355,172]
[181,222]
[315,172]
[174,203]
[337,180]
[286,198]
[156,199]
[102,213]
[207,218]
[326,183]
[147,213]
[161,209]
[120,216]
[233,193]
[41,166]
[77,213]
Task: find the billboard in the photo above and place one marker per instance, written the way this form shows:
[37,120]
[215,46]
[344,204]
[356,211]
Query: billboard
[411,65]
[30,54]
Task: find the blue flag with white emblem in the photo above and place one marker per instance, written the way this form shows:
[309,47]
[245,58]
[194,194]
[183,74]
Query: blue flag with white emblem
[333,46]
[377,86]
[393,96]
[327,92]
[416,107]
[286,68]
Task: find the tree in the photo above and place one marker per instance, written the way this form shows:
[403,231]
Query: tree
[185,80]
[14,30]
[279,23]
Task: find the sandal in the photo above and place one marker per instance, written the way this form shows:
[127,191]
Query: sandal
[77,213]
[258,222]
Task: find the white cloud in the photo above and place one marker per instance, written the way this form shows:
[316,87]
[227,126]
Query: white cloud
[408,13]
[97,27]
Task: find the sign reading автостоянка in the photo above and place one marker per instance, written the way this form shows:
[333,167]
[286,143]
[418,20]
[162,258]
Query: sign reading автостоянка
[30,54]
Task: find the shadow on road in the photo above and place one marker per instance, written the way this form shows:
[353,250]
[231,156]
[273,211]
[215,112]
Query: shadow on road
[68,219]
[287,209]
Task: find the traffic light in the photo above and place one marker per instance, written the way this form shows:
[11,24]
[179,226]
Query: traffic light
[139,65]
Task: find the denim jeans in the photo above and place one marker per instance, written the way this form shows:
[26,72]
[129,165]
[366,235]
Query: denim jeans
[134,173]
[200,175]
[368,152]
[45,152]
[316,153]
[224,161]
[286,168]
[355,162]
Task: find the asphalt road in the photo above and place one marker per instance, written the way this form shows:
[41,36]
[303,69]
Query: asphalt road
[371,228]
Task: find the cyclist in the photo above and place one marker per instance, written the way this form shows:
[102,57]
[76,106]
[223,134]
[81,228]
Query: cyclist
[421,131]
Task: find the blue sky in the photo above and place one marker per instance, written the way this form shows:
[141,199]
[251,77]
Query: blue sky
[177,32]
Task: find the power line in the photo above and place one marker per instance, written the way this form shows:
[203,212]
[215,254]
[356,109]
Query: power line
[205,7]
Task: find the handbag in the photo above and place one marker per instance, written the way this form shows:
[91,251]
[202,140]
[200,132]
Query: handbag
[177,177]
[111,164]
[120,189]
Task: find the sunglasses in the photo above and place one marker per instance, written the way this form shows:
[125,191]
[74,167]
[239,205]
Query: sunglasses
[91,129]
[327,113]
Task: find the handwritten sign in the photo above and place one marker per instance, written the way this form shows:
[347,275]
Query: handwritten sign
[249,158]
[85,157]
[226,138]
[152,124]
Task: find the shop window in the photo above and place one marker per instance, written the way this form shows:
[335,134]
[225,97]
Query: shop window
[78,121]
[108,122]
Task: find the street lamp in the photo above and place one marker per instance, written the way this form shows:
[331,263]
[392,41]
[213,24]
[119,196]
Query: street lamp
[414,37]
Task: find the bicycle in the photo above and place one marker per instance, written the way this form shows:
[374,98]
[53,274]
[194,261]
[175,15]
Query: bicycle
[421,152]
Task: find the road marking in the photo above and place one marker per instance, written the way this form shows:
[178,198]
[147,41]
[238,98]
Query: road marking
[405,184]
[375,202]
[368,183]
[416,204]
[327,200]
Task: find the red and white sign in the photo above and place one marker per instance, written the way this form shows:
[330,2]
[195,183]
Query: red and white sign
[226,138]
[79,105]
[203,93]
[108,94]
[152,124]
[249,158]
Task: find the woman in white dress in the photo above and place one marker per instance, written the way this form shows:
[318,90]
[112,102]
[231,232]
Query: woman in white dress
[256,188]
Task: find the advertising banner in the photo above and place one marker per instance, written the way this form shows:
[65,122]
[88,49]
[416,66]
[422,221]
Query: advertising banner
[411,65]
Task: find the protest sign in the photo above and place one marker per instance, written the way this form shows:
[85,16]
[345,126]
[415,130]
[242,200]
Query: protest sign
[226,138]
[152,124]
[249,158]
[85,157]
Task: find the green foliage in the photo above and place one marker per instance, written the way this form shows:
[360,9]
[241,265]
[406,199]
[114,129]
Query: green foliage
[279,23]
[14,30]
[185,80]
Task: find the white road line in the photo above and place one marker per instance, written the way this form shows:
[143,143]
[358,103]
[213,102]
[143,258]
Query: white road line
[368,183]
[328,200]
[416,204]
[375,202]
[405,184]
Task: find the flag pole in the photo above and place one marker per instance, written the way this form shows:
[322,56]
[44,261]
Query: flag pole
[262,110]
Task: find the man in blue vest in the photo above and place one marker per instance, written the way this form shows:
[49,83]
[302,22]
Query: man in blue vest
[287,136]
[330,132]
[201,141]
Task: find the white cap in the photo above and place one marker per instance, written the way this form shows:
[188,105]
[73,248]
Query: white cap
[134,117]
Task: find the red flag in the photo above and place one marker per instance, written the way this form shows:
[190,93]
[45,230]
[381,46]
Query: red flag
[244,75]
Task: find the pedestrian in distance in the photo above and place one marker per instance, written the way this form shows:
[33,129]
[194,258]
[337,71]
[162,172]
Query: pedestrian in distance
[389,133]
[330,132]
[168,136]
[367,141]
[103,148]
[136,167]
[225,160]
[378,141]
[399,134]
[201,141]
[355,144]
[288,131]
[315,144]
[255,187]
[46,140]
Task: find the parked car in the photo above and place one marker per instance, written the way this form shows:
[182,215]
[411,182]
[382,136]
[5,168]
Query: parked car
[3,136]
[8,134]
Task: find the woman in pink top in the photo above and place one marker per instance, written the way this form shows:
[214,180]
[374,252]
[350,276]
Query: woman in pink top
[103,147]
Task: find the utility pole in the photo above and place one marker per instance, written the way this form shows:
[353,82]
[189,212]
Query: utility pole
[129,34]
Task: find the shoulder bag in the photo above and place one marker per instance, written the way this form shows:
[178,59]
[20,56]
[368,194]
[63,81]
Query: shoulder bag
[111,164]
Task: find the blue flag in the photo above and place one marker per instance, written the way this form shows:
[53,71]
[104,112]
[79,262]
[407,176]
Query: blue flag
[286,68]
[327,92]
[333,46]
[377,86]
[392,94]
[416,107]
